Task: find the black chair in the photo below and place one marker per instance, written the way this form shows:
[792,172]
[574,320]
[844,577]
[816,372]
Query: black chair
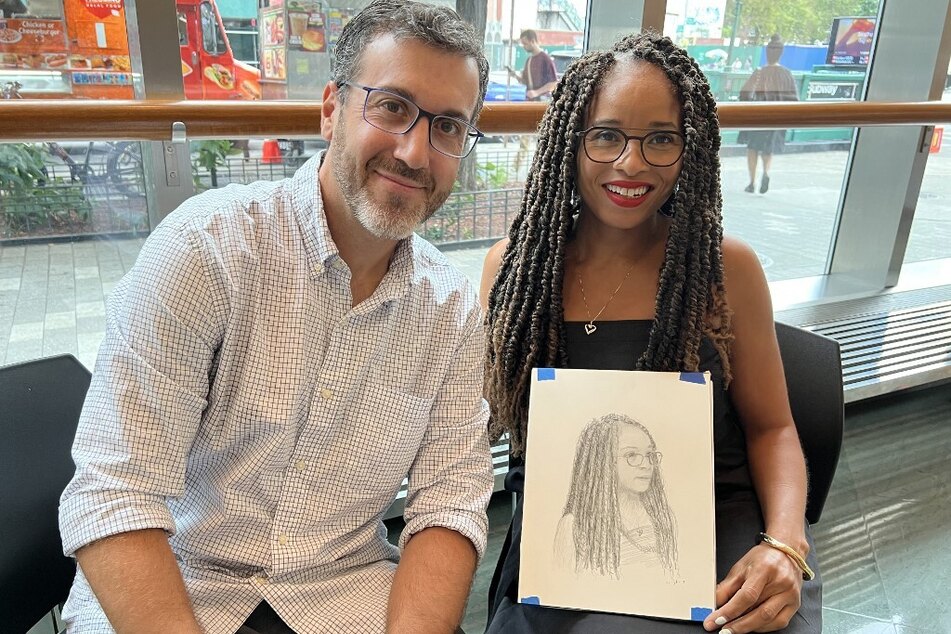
[813,366]
[40,402]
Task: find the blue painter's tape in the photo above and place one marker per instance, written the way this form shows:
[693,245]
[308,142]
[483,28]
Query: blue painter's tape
[530,600]
[699,614]
[693,377]
[546,374]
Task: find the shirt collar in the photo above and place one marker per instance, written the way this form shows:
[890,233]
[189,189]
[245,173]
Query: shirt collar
[319,247]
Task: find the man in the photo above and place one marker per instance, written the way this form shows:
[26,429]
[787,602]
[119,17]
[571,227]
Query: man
[279,358]
[539,78]
[538,75]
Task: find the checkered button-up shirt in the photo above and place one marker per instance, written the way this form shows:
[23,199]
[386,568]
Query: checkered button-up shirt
[241,404]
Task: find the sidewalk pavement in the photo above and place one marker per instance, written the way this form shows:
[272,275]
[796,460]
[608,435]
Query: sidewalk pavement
[52,296]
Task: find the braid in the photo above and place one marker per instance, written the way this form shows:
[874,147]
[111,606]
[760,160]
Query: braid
[525,322]
[526,318]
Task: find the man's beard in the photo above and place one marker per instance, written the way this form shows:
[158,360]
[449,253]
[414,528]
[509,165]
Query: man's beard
[394,218]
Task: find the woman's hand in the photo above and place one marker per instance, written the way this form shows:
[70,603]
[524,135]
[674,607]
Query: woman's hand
[759,594]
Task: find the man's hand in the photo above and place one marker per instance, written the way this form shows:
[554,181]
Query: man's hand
[432,583]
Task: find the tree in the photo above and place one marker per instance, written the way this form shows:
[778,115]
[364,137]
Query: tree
[473,12]
[796,21]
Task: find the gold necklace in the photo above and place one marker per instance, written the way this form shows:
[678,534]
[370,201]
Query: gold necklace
[589,327]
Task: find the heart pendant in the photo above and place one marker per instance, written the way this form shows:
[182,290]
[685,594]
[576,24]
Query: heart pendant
[589,328]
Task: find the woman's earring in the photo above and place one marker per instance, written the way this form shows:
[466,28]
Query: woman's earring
[667,209]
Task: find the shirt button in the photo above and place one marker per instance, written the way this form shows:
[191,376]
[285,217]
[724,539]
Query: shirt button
[326,394]
[300,465]
[259,580]
[282,540]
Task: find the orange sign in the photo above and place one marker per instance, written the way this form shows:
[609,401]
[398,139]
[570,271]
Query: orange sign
[33,44]
[99,52]
[936,139]
[103,8]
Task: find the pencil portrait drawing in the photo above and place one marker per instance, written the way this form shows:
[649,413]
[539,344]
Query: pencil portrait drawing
[617,521]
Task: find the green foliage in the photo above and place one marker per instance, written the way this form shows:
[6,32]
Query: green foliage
[796,21]
[207,157]
[492,175]
[21,168]
[433,233]
[29,198]
[56,203]
[482,176]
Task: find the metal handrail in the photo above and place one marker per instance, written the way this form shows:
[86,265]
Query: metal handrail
[40,120]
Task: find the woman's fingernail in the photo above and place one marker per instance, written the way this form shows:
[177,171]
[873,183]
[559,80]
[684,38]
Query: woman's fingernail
[726,630]
[721,620]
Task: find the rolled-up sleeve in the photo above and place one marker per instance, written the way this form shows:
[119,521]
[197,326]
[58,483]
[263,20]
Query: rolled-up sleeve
[148,393]
[450,481]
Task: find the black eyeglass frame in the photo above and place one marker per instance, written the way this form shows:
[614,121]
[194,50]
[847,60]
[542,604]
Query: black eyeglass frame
[627,139]
[430,116]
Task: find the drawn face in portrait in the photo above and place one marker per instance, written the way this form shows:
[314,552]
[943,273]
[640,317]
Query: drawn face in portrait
[636,457]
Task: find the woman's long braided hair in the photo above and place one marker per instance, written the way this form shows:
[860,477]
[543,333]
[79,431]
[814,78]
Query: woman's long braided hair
[525,320]
[594,501]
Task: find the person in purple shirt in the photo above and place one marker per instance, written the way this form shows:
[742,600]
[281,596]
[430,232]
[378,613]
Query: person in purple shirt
[539,74]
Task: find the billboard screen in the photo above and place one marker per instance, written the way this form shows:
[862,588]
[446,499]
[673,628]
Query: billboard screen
[851,41]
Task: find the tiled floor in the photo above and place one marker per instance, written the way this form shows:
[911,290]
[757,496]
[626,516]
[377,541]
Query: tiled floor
[52,296]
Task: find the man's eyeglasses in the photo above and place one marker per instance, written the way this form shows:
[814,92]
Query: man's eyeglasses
[661,148]
[636,459]
[392,113]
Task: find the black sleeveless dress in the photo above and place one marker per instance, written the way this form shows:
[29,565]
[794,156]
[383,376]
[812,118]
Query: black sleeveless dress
[616,346]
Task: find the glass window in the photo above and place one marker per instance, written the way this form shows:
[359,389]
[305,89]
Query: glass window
[212,35]
[930,236]
[243,38]
[182,29]
[73,214]
[781,188]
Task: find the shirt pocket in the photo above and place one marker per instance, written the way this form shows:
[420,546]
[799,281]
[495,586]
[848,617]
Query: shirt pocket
[384,429]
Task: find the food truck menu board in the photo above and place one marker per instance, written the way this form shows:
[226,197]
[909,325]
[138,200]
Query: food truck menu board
[89,45]
[99,53]
[306,26]
[33,44]
[273,38]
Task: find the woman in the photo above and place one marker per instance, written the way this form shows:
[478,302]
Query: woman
[617,521]
[617,260]
[772,82]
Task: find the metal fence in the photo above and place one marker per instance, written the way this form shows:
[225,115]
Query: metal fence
[97,198]
[470,216]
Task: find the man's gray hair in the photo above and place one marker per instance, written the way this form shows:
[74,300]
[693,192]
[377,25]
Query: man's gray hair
[439,27]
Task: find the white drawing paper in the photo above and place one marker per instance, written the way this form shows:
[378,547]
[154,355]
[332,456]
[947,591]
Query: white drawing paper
[619,509]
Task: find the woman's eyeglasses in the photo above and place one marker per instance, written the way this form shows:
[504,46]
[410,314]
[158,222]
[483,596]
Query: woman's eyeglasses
[660,148]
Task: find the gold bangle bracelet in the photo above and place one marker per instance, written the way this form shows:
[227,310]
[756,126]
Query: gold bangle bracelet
[790,552]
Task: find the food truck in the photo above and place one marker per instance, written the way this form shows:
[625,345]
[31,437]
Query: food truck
[80,49]
[209,69]
[73,49]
